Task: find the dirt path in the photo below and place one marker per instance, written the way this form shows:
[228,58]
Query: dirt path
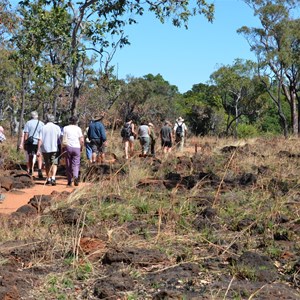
[16,198]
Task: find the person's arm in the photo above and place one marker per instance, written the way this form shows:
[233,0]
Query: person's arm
[25,137]
[21,146]
[133,130]
[174,130]
[103,133]
[81,138]
[38,152]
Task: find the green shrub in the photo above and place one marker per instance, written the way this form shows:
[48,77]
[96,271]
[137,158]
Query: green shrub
[247,131]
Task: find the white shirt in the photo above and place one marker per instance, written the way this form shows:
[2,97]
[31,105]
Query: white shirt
[49,135]
[184,127]
[73,134]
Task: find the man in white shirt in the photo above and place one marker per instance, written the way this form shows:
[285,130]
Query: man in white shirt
[180,131]
[48,146]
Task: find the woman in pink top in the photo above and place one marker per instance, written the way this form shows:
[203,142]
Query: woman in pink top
[72,144]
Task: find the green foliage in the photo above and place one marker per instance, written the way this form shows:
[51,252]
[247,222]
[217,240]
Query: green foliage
[279,62]
[247,131]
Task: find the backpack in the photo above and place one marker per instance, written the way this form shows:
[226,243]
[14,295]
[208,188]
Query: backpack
[126,131]
[179,130]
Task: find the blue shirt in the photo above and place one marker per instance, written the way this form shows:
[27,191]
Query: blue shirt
[97,131]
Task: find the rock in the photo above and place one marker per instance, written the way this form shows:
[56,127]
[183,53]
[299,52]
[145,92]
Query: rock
[110,286]
[6,182]
[135,256]
[68,216]
[40,202]
[27,210]
[247,179]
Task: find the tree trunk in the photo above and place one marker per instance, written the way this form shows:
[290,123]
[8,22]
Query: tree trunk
[290,95]
[23,89]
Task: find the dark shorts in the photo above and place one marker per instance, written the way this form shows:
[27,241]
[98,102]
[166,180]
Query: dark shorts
[166,144]
[31,149]
[50,159]
[97,146]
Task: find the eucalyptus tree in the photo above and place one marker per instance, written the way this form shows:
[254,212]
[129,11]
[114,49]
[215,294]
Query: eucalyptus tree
[99,25]
[276,45]
[239,90]
[202,108]
[7,19]
[26,56]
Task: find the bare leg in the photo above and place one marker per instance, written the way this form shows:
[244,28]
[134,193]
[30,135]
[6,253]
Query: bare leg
[94,157]
[126,145]
[33,162]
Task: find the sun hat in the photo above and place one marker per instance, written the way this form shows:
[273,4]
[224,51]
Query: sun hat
[150,124]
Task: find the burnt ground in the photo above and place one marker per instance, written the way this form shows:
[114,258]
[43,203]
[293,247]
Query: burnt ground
[212,225]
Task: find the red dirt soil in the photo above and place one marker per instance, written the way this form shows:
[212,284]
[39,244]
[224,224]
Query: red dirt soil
[17,198]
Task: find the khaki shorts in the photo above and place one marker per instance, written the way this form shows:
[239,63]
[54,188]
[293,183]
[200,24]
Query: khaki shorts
[50,159]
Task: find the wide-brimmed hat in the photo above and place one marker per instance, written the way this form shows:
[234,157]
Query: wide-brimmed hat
[97,118]
[180,119]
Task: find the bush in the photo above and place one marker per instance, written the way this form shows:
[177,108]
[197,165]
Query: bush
[247,131]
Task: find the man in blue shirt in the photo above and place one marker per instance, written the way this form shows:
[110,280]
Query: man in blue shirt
[97,136]
[32,129]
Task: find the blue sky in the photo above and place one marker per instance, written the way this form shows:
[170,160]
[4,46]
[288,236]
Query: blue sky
[187,57]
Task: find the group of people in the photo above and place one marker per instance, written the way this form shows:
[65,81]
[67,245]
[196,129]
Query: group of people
[147,136]
[49,142]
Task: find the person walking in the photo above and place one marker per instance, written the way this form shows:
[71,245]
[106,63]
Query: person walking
[180,131]
[87,143]
[21,147]
[166,137]
[97,137]
[152,139]
[31,130]
[128,134]
[48,147]
[72,143]
[144,136]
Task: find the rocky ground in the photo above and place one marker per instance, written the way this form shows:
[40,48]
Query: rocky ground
[222,223]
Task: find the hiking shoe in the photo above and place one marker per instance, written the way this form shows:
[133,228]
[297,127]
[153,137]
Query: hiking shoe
[40,174]
[69,183]
[76,181]
[48,182]
[30,172]
[53,182]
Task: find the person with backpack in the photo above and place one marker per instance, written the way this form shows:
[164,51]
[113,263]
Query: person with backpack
[128,134]
[180,131]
